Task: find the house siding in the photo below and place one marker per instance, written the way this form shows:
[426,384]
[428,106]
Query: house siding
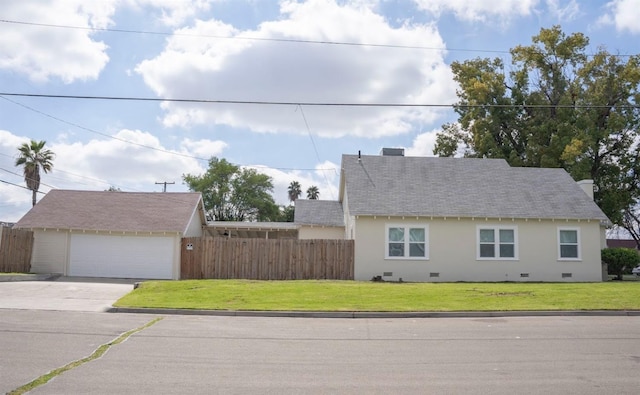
[50,251]
[194,228]
[321,232]
[453,251]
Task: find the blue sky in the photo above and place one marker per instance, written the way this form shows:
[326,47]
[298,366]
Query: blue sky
[225,50]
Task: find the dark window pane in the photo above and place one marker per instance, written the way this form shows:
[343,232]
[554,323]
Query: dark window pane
[507,251]
[396,249]
[487,250]
[568,251]
[416,249]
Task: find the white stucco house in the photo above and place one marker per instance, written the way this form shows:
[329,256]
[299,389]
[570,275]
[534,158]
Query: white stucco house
[462,219]
[112,234]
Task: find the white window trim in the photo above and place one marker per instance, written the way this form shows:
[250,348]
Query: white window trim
[577,230]
[406,242]
[496,229]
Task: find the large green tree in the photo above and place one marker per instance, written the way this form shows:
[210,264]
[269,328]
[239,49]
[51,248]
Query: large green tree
[557,105]
[33,157]
[232,193]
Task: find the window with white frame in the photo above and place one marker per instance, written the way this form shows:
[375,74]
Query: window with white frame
[407,242]
[568,243]
[497,242]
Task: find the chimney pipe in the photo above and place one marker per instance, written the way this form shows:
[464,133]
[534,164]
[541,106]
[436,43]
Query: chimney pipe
[587,186]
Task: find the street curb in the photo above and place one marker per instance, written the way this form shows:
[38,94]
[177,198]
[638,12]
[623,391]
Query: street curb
[28,277]
[375,314]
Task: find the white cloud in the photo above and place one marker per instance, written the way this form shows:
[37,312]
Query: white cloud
[42,52]
[203,148]
[99,164]
[72,54]
[623,14]
[423,144]
[564,12]
[249,70]
[125,165]
[325,177]
[172,12]
[479,11]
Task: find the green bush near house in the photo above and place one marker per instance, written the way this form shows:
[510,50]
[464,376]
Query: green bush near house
[620,260]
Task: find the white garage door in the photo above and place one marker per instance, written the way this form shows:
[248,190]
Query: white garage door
[121,256]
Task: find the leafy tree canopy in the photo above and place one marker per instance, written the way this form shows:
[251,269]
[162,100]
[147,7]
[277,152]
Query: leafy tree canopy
[557,105]
[232,193]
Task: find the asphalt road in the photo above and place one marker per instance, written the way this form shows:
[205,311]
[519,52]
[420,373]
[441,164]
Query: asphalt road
[249,355]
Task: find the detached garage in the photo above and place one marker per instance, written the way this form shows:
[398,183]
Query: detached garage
[112,234]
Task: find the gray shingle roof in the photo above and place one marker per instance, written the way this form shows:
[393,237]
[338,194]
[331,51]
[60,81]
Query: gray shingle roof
[462,187]
[319,212]
[113,211]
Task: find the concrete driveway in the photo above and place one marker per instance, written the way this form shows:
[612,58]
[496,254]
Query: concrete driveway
[65,294]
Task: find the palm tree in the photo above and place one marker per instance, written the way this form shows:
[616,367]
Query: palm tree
[32,157]
[313,192]
[295,190]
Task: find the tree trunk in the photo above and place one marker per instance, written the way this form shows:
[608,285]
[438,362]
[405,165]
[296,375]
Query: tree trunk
[33,197]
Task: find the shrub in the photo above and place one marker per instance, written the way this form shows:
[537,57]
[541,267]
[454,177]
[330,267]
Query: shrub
[620,260]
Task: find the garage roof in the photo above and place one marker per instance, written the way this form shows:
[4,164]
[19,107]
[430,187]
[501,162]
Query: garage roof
[114,211]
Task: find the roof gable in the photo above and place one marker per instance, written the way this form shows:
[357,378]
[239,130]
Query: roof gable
[318,212]
[114,211]
[461,187]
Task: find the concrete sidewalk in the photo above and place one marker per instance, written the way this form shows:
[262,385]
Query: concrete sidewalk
[64,294]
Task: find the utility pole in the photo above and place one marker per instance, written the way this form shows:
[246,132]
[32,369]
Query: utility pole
[164,188]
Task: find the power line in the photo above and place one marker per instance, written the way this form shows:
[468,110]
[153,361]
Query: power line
[95,131]
[18,174]
[19,186]
[282,40]
[315,148]
[249,38]
[142,145]
[164,183]
[293,103]
[58,170]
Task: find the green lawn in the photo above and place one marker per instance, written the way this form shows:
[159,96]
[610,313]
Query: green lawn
[372,296]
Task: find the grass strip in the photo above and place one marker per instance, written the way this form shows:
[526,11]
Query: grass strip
[372,296]
[99,352]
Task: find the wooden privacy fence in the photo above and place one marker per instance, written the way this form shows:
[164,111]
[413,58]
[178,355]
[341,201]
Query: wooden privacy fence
[262,259]
[16,246]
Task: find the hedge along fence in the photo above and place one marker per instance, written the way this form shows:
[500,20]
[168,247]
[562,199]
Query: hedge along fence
[16,246]
[263,259]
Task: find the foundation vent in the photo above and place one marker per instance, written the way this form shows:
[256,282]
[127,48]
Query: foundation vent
[387,274]
[567,275]
[524,275]
[434,274]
